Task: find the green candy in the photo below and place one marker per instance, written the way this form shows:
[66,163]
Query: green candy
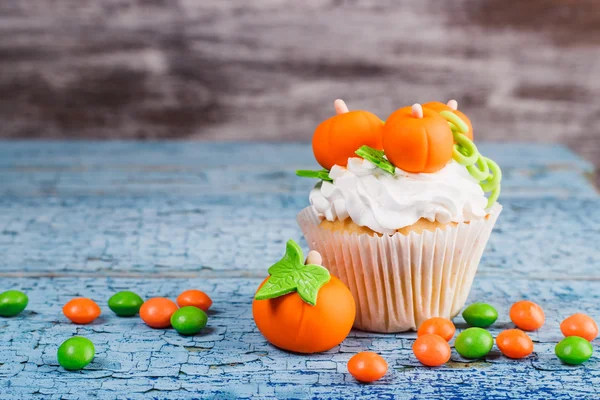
[574,350]
[474,343]
[480,315]
[189,320]
[12,302]
[76,353]
[125,304]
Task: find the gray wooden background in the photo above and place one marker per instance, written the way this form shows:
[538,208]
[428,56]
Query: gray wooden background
[270,69]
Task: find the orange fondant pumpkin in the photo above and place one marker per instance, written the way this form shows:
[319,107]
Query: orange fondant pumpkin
[437,107]
[301,307]
[417,143]
[290,323]
[336,139]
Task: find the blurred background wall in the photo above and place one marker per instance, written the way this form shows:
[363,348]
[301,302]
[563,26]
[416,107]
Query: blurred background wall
[270,69]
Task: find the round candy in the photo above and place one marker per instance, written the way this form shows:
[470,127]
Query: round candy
[125,304]
[431,350]
[194,298]
[527,315]
[438,326]
[189,320]
[579,325]
[514,343]
[76,353]
[12,302]
[573,350]
[81,310]
[157,312]
[480,315]
[367,366]
[474,343]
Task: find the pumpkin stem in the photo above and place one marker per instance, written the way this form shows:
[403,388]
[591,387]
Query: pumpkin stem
[340,106]
[417,111]
[314,257]
[453,104]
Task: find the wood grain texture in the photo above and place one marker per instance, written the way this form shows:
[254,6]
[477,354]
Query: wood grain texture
[270,69]
[231,359]
[93,218]
[188,169]
[245,236]
[184,209]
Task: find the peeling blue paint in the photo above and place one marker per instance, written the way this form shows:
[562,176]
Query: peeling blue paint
[182,215]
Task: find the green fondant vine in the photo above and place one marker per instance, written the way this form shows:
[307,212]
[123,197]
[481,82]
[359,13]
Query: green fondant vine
[483,169]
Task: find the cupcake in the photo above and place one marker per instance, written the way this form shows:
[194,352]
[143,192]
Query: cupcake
[401,213]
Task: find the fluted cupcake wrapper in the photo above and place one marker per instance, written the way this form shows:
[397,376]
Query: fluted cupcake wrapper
[400,281]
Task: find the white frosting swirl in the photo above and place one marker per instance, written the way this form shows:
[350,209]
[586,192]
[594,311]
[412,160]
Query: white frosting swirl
[384,203]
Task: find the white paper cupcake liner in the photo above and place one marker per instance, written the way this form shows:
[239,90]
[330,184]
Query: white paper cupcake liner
[400,281]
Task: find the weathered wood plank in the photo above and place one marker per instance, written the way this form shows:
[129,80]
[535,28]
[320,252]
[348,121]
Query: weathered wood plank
[175,155]
[230,358]
[231,169]
[241,235]
[181,210]
[171,182]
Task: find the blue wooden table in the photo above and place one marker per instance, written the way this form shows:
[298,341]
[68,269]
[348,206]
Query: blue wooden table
[89,219]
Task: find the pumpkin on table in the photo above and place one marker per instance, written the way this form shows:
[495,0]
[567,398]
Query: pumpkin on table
[337,138]
[417,139]
[452,106]
[301,307]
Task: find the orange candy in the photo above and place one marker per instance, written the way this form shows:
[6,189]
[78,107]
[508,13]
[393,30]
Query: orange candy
[579,325]
[367,366]
[438,107]
[417,144]
[81,310]
[157,311]
[337,139]
[437,326]
[195,298]
[431,350]
[292,324]
[514,343]
[527,315]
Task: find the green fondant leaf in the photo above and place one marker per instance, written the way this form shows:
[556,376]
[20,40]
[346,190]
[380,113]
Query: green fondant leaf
[275,287]
[311,279]
[290,274]
[377,158]
[322,174]
[291,259]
